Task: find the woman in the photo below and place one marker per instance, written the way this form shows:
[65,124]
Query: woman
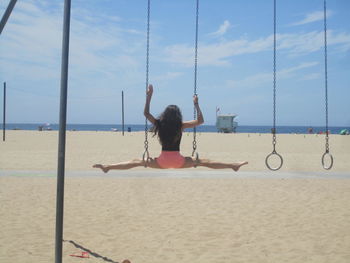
[169,127]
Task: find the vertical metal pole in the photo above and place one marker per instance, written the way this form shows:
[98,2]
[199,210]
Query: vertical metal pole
[123,111]
[62,133]
[4,115]
[7,14]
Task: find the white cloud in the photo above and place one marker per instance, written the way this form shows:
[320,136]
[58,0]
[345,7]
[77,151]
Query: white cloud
[261,79]
[219,54]
[222,29]
[311,76]
[300,44]
[216,54]
[285,73]
[32,41]
[167,76]
[312,17]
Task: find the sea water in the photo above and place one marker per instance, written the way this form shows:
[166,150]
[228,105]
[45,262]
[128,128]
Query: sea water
[202,128]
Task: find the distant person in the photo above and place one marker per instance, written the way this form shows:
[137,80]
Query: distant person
[310,130]
[169,127]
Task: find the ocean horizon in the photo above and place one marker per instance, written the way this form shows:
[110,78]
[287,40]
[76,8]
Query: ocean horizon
[202,128]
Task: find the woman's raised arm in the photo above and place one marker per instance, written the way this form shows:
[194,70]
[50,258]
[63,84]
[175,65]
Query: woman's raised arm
[200,119]
[146,112]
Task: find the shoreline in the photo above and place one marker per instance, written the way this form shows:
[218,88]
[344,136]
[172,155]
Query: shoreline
[263,129]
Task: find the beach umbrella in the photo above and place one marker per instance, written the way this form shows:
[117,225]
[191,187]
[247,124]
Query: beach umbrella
[344,132]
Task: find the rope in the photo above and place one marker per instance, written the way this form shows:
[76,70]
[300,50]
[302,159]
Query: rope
[194,144]
[145,156]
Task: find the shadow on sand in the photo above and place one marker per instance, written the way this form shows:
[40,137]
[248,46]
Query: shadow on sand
[94,254]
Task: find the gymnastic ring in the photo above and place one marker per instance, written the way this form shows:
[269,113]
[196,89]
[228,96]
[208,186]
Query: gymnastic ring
[331,164]
[267,161]
[196,161]
[145,160]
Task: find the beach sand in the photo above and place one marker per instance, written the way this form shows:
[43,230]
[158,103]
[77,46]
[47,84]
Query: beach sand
[300,214]
[33,150]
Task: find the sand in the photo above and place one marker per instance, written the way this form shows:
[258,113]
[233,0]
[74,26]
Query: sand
[33,150]
[299,214]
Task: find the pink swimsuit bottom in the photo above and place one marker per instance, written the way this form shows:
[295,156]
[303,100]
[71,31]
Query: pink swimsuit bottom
[170,159]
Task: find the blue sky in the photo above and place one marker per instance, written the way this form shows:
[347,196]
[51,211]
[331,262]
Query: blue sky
[235,59]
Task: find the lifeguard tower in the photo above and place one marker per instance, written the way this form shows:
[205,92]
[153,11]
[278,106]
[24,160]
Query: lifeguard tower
[226,123]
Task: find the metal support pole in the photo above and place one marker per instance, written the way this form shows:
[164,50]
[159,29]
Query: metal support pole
[123,111]
[7,14]
[4,115]
[62,133]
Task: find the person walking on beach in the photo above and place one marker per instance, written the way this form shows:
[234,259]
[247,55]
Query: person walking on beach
[169,127]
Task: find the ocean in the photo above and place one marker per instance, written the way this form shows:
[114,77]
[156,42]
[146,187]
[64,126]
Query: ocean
[202,128]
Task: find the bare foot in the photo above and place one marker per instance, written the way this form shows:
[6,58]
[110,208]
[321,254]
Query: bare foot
[102,167]
[236,166]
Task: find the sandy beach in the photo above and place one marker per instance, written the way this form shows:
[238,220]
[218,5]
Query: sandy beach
[299,214]
[37,151]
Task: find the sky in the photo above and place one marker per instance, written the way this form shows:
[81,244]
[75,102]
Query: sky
[235,60]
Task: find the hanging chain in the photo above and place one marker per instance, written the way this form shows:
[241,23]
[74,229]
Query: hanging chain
[146,153]
[273,131]
[329,156]
[326,74]
[274,80]
[195,80]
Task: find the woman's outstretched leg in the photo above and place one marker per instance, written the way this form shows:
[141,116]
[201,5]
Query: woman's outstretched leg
[119,166]
[190,162]
[126,165]
[220,165]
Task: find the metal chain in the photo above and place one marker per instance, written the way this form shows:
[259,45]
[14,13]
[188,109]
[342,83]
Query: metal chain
[326,73]
[194,144]
[274,80]
[329,156]
[146,153]
[273,131]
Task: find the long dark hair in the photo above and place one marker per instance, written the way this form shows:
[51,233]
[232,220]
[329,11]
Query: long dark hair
[169,125]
